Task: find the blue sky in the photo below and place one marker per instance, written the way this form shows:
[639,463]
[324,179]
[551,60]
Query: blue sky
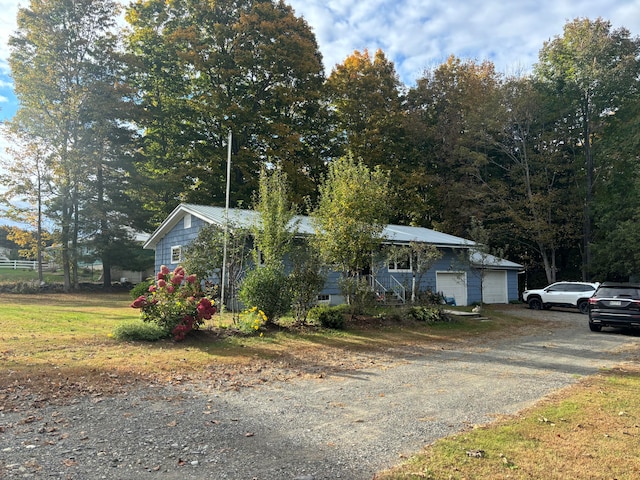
[416,34]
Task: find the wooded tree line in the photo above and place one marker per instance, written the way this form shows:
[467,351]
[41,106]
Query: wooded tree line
[125,121]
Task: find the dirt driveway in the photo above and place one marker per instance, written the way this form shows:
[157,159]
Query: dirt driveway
[335,427]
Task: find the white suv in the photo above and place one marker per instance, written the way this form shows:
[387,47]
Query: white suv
[561,294]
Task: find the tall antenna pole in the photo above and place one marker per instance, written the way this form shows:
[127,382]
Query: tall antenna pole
[226,223]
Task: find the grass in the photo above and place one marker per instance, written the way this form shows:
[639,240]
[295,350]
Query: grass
[56,345]
[64,331]
[588,431]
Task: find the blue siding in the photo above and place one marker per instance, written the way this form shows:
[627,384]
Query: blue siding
[450,261]
[512,285]
[178,235]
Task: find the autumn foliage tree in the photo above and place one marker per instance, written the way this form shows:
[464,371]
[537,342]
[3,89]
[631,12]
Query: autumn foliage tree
[201,69]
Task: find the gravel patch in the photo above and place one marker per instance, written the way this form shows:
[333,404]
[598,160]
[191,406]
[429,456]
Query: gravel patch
[345,426]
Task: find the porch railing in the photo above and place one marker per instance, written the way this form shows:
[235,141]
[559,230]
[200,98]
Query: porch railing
[393,292]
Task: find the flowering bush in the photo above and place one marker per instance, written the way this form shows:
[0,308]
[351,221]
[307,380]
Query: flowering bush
[251,320]
[175,303]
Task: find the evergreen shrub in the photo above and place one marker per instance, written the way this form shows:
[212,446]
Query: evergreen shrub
[328,317]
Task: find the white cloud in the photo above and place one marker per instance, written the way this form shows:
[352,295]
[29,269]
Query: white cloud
[421,34]
[9,9]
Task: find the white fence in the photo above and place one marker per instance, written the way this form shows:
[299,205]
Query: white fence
[22,264]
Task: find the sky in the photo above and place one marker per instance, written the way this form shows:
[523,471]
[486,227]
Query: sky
[417,35]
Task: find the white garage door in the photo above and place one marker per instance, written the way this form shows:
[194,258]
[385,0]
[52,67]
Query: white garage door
[494,287]
[453,284]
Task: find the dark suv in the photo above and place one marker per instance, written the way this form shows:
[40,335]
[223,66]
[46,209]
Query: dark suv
[615,305]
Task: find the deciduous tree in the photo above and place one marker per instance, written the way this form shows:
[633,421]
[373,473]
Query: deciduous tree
[351,214]
[25,177]
[596,68]
[275,228]
[61,62]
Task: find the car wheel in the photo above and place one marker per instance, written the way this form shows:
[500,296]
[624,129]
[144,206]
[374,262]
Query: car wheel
[535,304]
[594,328]
[583,306]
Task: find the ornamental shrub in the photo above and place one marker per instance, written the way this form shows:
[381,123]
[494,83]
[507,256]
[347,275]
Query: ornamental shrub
[138,330]
[328,317]
[429,315]
[141,288]
[175,303]
[267,289]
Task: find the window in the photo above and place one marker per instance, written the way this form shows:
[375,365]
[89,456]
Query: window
[187,221]
[323,299]
[400,261]
[176,254]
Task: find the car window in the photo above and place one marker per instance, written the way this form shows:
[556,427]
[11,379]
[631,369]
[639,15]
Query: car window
[611,292]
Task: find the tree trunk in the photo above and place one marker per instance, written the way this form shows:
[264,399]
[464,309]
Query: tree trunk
[589,166]
[105,241]
[39,230]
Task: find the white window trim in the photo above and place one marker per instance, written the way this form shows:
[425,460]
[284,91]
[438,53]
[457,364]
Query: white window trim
[187,221]
[175,248]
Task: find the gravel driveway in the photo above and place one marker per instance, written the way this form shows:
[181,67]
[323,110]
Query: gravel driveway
[345,427]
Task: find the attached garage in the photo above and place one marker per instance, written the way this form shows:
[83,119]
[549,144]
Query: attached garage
[495,287]
[453,284]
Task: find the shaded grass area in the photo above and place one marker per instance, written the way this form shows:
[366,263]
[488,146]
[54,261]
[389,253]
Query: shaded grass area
[588,431]
[64,340]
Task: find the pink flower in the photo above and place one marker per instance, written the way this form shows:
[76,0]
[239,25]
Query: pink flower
[179,271]
[177,279]
[205,309]
[191,278]
[180,331]
[188,321]
[160,275]
[164,270]
[139,302]
[171,288]
[162,283]
[152,288]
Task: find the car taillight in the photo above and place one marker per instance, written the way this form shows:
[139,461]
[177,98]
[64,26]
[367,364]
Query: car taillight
[593,301]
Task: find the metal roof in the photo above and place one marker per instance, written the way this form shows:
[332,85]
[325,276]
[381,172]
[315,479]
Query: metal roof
[485,260]
[245,218]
